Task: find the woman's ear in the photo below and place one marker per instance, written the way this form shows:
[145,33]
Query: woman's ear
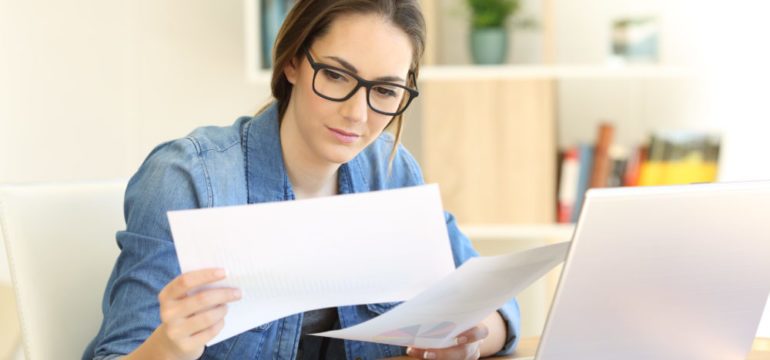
[291,70]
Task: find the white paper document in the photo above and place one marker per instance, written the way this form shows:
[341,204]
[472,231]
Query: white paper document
[458,302]
[293,256]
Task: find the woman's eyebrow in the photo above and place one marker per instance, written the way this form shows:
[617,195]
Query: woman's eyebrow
[353,69]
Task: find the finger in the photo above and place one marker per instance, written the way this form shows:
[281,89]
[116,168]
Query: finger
[205,319]
[198,340]
[474,334]
[182,284]
[466,345]
[199,302]
[203,336]
[458,352]
[414,352]
[417,353]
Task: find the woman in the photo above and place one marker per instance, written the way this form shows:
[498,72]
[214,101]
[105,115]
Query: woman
[344,71]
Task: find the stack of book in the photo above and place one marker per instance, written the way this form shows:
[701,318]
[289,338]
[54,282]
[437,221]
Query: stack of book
[669,158]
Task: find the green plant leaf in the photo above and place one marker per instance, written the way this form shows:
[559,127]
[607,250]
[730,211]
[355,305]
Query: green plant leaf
[492,13]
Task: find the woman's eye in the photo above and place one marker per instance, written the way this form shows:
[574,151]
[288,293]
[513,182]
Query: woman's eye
[333,75]
[384,91]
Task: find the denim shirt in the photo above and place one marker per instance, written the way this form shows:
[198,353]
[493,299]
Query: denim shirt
[235,165]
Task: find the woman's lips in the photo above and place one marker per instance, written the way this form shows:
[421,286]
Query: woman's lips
[344,136]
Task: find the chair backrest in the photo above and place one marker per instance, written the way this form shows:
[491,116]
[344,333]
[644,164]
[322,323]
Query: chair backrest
[60,242]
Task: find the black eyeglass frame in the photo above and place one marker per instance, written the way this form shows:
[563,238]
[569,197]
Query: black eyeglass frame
[368,84]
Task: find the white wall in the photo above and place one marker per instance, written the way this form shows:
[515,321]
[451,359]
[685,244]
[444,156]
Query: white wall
[90,86]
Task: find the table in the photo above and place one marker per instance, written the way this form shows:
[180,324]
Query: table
[528,346]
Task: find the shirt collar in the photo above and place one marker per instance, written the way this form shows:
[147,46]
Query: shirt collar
[266,178]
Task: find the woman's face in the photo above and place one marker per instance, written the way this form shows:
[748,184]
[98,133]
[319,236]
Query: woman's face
[366,45]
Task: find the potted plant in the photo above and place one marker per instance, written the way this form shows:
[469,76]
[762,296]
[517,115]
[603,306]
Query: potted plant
[489,35]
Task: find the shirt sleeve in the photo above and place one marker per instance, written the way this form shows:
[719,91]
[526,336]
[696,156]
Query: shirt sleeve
[171,178]
[110,357]
[462,250]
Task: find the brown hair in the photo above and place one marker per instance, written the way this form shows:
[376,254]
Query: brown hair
[310,19]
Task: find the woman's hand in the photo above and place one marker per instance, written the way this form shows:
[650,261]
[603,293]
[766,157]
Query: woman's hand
[468,346]
[188,322]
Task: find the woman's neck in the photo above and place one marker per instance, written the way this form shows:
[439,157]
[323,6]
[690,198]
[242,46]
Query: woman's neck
[309,175]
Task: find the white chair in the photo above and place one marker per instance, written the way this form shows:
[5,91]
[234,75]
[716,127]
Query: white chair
[10,334]
[60,241]
[9,323]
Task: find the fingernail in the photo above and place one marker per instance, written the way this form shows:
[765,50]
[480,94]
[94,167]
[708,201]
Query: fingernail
[237,294]
[220,273]
[429,355]
[461,340]
[409,350]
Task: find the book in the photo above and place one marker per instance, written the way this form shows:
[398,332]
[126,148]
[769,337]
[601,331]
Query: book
[634,165]
[680,157]
[568,184]
[618,161]
[668,158]
[652,170]
[586,160]
[601,166]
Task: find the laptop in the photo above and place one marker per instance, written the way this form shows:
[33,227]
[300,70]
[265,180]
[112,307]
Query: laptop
[673,272]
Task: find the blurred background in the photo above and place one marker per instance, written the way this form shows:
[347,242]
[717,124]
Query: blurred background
[533,101]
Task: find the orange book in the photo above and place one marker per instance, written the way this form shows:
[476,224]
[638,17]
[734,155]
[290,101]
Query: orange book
[601,167]
[634,167]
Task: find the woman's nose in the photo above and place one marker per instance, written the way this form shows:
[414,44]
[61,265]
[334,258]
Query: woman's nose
[356,108]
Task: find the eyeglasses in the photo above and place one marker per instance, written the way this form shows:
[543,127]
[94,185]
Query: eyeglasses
[335,84]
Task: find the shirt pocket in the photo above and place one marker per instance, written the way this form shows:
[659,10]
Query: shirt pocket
[381,308]
[262,327]
[251,344]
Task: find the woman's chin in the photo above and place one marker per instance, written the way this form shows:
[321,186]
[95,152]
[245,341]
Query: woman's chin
[340,156]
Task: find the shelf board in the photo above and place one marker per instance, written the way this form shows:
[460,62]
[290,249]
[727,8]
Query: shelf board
[557,232]
[555,72]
